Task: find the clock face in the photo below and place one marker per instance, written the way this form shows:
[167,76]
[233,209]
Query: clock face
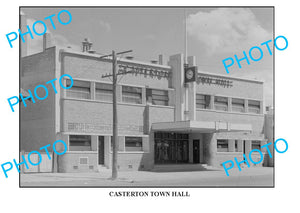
[189,74]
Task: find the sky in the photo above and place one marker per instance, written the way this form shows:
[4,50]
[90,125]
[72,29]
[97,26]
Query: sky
[213,34]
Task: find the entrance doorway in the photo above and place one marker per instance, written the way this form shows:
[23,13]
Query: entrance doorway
[171,148]
[196,151]
[101,150]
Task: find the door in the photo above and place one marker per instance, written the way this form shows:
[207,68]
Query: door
[196,151]
[101,150]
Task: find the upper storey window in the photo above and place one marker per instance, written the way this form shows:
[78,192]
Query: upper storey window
[80,89]
[221,103]
[238,105]
[132,95]
[104,92]
[202,101]
[254,106]
[157,97]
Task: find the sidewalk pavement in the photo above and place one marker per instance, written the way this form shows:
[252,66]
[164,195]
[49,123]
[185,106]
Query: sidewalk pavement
[248,177]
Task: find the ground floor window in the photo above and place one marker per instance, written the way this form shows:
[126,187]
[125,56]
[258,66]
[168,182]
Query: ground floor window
[133,144]
[255,145]
[80,143]
[222,145]
[171,148]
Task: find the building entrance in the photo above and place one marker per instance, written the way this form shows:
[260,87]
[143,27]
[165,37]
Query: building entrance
[171,148]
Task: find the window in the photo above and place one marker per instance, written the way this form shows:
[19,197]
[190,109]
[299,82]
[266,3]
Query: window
[202,101]
[157,97]
[222,146]
[104,92]
[80,89]
[221,103]
[238,105]
[133,144]
[254,106]
[80,142]
[132,94]
[256,145]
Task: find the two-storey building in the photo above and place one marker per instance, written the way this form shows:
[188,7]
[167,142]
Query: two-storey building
[162,119]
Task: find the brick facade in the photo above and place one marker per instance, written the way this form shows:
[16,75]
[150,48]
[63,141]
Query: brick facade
[61,116]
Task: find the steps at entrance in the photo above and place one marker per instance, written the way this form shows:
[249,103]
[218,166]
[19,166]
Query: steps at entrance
[182,167]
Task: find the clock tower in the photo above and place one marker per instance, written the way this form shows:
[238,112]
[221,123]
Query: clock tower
[184,83]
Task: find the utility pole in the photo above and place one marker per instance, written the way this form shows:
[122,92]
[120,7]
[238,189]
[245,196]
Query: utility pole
[115,111]
[115,118]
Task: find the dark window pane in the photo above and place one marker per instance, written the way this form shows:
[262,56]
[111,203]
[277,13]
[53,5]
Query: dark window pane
[133,144]
[256,145]
[222,145]
[80,142]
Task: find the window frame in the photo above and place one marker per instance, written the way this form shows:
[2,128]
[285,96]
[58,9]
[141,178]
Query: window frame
[222,141]
[254,108]
[75,92]
[219,104]
[81,147]
[128,93]
[205,101]
[236,105]
[139,140]
[256,141]
[153,97]
[105,94]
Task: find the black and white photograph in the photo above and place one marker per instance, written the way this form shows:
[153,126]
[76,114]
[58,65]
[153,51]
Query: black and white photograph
[147,96]
[153,106]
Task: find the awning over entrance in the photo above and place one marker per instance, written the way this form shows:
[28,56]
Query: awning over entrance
[201,126]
